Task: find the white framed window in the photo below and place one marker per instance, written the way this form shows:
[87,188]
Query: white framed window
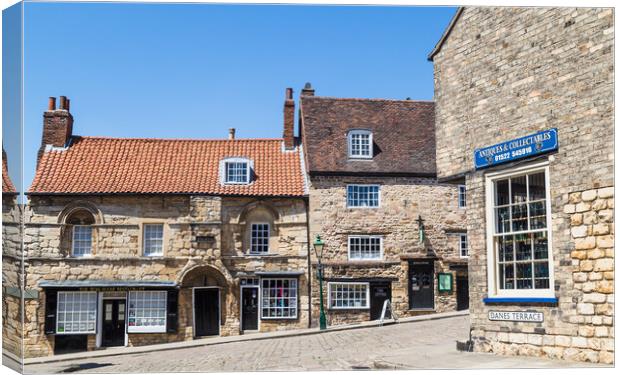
[519,240]
[360,144]
[82,240]
[259,238]
[363,196]
[463,246]
[147,311]
[462,196]
[365,247]
[76,312]
[235,171]
[278,298]
[153,239]
[348,295]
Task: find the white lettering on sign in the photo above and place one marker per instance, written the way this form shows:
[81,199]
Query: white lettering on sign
[517,316]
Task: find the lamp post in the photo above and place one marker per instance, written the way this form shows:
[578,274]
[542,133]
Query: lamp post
[318,250]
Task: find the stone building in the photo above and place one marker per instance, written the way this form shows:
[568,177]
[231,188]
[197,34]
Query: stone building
[391,231]
[524,117]
[11,266]
[142,241]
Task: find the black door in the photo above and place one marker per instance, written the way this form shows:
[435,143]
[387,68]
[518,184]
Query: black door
[462,293]
[249,308]
[421,284]
[379,292]
[206,311]
[113,322]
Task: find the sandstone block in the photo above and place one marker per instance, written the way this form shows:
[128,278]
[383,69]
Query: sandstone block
[605,241]
[576,219]
[585,243]
[599,204]
[601,331]
[605,264]
[588,195]
[579,342]
[607,192]
[564,341]
[606,216]
[590,217]
[586,331]
[596,254]
[582,207]
[569,209]
[600,229]
[574,198]
[585,308]
[579,254]
[579,231]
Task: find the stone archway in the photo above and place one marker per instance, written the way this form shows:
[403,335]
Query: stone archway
[208,305]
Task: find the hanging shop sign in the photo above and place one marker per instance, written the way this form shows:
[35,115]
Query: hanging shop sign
[517,316]
[515,149]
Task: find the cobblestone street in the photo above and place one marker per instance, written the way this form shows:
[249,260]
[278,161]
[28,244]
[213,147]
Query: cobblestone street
[427,344]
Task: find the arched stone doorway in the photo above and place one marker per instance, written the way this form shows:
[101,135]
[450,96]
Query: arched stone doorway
[208,301]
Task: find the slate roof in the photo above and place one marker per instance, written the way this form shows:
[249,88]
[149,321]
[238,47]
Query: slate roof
[97,165]
[403,135]
[7,184]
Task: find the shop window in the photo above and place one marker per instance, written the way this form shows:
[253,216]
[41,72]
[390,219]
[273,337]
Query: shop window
[153,239]
[463,246]
[362,196]
[520,234]
[360,144]
[348,295]
[147,311]
[279,299]
[365,247]
[76,312]
[462,196]
[259,238]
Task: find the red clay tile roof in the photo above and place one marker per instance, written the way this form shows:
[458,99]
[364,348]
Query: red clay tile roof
[7,184]
[95,165]
[403,135]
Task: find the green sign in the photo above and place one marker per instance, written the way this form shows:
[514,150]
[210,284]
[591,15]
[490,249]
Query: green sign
[445,282]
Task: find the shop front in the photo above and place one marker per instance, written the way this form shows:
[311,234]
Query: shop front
[84,315]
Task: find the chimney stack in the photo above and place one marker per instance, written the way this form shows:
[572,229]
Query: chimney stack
[57,125]
[289,120]
[231,134]
[307,90]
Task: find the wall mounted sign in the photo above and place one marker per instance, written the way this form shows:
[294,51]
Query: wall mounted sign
[515,149]
[517,316]
[444,282]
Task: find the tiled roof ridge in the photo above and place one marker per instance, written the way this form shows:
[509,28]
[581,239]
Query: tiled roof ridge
[155,139]
[370,99]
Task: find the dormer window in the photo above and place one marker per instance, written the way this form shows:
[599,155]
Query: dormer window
[236,171]
[360,144]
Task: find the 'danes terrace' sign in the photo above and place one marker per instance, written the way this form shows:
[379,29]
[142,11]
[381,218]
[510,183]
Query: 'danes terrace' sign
[531,145]
[517,316]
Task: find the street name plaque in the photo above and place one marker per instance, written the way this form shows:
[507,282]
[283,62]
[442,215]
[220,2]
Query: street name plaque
[517,316]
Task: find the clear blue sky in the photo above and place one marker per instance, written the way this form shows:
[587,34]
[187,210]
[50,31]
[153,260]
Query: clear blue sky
[193,71]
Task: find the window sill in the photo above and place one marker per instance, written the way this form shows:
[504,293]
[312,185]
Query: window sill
[520,300]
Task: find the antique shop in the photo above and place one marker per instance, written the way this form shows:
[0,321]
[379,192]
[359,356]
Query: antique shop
[525,120]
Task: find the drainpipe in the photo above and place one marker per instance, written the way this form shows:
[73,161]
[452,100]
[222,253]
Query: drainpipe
[307,205]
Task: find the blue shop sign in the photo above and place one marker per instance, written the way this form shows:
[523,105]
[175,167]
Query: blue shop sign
[531,145]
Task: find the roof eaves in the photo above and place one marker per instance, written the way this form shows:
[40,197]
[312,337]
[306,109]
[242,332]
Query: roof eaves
[446,33]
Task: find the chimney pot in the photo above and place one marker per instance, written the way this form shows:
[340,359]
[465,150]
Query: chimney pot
[63,102]
[68,104]
[231,134]
[307,90]
[51,104]
[289,93]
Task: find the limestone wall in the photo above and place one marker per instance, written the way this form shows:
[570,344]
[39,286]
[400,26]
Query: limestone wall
[11,276]
[504,73]
[403,200]
[203,246]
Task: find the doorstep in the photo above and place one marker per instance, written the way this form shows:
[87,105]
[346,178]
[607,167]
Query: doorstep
[228,339]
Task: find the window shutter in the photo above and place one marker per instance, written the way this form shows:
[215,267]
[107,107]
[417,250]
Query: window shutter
[50,311]
[172,316]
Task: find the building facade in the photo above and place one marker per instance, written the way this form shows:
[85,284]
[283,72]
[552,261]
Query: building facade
[391,231]
[141,241]
[11,266]
[524,117]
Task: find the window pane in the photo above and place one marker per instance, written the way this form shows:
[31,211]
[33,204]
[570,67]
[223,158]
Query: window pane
[537,186]
[501,193]
[541,275]
[82,240]
[524,276]
[503,219]
[523,247]
[540,245]
[153,239]
[505,248]
[538,217]
[519,217]
[518,189]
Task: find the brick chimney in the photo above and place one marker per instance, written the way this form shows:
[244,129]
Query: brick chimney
[57,125]
[307,90]
[289,120]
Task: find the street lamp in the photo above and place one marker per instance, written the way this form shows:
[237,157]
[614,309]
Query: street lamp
[318,250]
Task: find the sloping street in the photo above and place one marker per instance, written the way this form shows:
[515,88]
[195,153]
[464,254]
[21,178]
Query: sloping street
[427,344]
